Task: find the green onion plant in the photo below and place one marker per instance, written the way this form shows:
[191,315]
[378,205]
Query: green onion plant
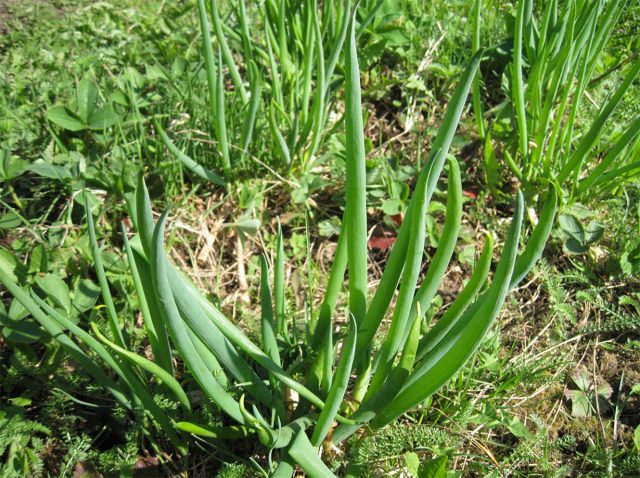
[554,65]
[337,382]
[277,97]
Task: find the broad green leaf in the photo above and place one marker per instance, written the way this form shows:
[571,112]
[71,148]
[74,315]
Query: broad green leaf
[413,462]
[572,226]
[392,206]
[56,289]
[572,246]
[85,295]
[65,118]
[20,331]
[38,261]
[247,226]
[10,220]
[102,118]
[87,97]
[435,468]
[17,310]
[48,170]
[8,264]
[11,167]
[580,403]
[594,232]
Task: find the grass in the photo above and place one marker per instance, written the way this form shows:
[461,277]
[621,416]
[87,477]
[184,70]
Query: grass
[549,390]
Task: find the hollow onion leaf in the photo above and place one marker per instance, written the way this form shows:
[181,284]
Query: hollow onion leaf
[430,173]
[356,207]
[446,358]
[338,388]
[146,364]
[187,162]
[179,332]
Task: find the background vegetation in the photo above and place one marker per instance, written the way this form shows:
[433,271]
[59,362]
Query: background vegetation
[554,389]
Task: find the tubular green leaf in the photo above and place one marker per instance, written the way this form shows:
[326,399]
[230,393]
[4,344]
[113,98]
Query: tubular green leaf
[590,137]
[356,183]
[305,455]
[278,286]
[338,388]
[146,364]
[140,393]
[462,302]
[538,238]
[446,245]
[56,331]
[226,52]
[102,279]
[179,332]
[429,174]
[186,161]
[463,339]
[156,331]
[517,82]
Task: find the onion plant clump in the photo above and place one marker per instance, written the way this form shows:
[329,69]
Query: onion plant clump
[554,65]
[337,382]
[277,97]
